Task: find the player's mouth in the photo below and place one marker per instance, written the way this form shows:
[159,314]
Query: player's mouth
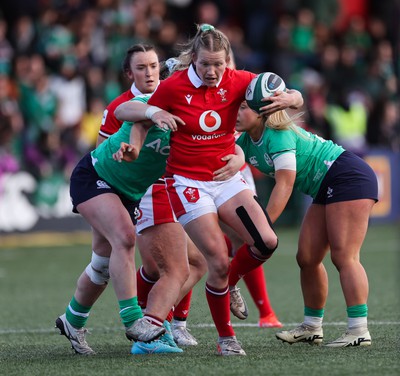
[211,80]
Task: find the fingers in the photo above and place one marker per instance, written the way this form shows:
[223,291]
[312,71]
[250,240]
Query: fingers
[165,120]
[223,173]
[124,148]
[227,157]
[279,101]
[178,119]
[117,156]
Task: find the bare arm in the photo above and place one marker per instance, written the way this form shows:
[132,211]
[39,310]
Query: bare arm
[284,181]
[136,111]
[130,152]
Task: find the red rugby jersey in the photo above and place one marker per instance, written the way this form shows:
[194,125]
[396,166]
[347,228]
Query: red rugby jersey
[110,124]
[210,116]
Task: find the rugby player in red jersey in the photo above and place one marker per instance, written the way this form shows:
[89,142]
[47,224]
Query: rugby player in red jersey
[200,105]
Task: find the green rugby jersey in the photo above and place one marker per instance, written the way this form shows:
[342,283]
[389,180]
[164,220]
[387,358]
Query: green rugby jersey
[133,178]
[314,155]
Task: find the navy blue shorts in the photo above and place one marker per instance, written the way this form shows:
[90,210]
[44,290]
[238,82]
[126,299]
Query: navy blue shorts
[86,184]
[349,178]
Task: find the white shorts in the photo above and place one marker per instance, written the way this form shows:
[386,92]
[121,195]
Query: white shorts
[154,208]
[248,176]
[191,199]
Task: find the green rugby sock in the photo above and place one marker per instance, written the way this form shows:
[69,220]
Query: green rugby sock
[77,314]
[129,311]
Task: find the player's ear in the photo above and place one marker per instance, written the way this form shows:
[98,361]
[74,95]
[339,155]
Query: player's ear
[129,74]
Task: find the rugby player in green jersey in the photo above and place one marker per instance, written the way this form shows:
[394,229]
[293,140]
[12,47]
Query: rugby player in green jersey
[343,188]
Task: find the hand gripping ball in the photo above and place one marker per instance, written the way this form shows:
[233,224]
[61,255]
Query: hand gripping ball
[262,86]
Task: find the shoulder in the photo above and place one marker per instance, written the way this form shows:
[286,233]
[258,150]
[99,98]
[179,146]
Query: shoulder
[241,137]
[237,80]
[124,97]
[143,98]
[168,88]
[239,74]
[289,132]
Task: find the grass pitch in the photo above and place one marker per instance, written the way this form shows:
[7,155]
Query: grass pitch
[37,280]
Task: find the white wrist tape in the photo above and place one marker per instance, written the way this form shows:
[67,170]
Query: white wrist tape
[151,111]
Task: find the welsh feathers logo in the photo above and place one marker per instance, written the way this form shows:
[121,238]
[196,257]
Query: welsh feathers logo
[191,194]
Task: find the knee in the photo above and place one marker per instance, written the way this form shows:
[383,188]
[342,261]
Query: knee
[98,269]
[340,260]
[184,274]
[219,268]
[125,242]
[306,260]
[266,247]
[198,264]
[179,272]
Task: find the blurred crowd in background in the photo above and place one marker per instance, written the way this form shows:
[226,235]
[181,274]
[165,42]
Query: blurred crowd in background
[60,65]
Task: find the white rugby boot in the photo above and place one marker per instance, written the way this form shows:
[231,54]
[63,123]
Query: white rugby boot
[228,346]
[302,333]
[352,338]
[76,336]
[238,304]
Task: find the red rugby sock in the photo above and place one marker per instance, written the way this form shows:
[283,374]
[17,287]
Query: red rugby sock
[144,285]
[219,304]
[181,311]
[257,286]
[243,262]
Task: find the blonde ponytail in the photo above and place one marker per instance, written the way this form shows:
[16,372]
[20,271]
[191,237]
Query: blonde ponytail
[281,120]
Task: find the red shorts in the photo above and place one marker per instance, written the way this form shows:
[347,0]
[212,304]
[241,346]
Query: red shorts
[155,208]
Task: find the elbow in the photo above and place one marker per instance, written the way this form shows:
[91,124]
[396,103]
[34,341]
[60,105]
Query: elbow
[118,113]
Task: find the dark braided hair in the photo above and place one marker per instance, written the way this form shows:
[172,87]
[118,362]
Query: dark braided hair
[126,64]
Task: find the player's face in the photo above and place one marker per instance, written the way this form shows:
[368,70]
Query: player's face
[247,119]
[145,71]
[210,66]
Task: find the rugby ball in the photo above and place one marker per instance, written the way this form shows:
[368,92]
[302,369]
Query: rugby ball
[262,86]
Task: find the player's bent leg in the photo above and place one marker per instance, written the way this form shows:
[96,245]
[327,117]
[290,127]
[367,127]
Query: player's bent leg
[100,211]
[167,245]
[251,222]
[215,251]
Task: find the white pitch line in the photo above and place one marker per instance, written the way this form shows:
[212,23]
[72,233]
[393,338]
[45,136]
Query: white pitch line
[201,325]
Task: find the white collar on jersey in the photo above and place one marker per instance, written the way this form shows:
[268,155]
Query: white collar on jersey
[135,91]
[195,79]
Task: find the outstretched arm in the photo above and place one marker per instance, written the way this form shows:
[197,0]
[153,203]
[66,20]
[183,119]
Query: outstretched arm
[130,152]
[283,188]
[136,111]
